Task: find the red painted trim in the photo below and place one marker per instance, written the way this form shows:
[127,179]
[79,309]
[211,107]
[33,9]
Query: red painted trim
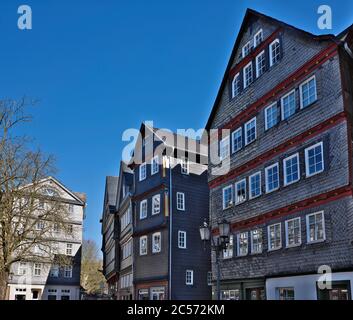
[291,209]
[254,53]
[283,87]
[297,140]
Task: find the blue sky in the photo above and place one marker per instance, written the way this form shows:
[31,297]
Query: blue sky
[100,67]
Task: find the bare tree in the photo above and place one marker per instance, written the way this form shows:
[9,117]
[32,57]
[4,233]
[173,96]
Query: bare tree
[91,276]
[29,213]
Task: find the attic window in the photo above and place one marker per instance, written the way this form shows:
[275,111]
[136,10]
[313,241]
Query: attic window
[258,38]
[246,49]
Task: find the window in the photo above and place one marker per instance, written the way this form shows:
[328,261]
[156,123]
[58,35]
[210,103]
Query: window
[126,219]
[271,116]
[54,271]
[274,237]
[308,93]
[227,197]
[236,86]
[143,245]
[154,165]
[291,169]
[237,140]
[143,209]
[22,268]
[189,277]
[41,204]
[127,250]
[260,64]
[184,166]
[209,278]
[315,225]
[250,131]
[224,148]
[156,242]
[286,293]
[56,228]
[314,160]
[293,232]
[156,204]
[157,293]
[37,269]
[182,239]
[230,294]
[242,244]
[258,38]
[40,225]
[246,49]
[255,185]
[69,249]
[248,75]
[71,208]
[68,272]
[142,171]
[240,191]
[228,251]
[272,178]
[275,52]
[256,241]
[181,201]
[288,105]
[70,228]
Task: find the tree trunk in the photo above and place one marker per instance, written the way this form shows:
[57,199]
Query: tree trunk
[4,276]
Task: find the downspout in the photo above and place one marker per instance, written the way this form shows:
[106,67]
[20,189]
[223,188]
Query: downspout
[170,228]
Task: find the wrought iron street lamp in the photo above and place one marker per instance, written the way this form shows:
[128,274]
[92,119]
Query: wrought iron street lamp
[218,244]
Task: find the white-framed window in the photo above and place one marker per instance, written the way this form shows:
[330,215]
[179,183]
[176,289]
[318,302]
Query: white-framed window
[154,165]
[227,197]
[156,204]
[286,294]
[315,226]
[69,248]
[314,159]
[243,244]
[293,232]
[71,208]
[224,148]
[275,52]
[248,75]
[250,131]
[256,241]
[181,239]
[228,251]
[308,93]
[22,268]
[260,64]
[40,225]
[56,228]
[70,229]
[37,270]
[246,49]
[272,178]
[156,242]
[142,171]
[143,245]
[236,85]
[240,191]
[68,272]
[143,209]
[288,105]
[126,219]
[291,169]
[258,38]
[41,204]
[237,140]
[127,250]
[181,201]
[189,277]
[271,116]
[255,185]
[209,278]
[184,166]
[274,237]
[54,271]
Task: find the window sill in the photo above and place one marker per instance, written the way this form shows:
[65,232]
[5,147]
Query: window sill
[313,174]
[316,242]
[293,246]
[274,250]
[290,183]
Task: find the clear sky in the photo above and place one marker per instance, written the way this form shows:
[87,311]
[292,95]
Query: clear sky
[100,67]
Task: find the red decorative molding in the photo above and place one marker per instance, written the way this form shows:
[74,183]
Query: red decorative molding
[297,140]
[291,209]
[254,53]
[283,87]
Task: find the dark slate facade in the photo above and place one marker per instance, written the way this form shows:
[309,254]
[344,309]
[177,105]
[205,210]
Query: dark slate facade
[288,271]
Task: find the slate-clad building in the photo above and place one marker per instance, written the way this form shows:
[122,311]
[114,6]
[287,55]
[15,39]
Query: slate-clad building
[284,117]
[170,202]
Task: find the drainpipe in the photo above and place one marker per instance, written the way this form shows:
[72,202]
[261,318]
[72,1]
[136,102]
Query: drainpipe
[170,228]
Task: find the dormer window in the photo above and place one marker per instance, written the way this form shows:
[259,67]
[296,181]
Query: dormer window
[258,38]
[246,49]
[275,52]
[184,166]
[236,85]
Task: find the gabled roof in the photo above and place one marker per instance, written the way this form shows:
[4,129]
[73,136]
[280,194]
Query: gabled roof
[250,14]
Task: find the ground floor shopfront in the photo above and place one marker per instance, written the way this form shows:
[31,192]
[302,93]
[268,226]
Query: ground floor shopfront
[252,289]
[156,290]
